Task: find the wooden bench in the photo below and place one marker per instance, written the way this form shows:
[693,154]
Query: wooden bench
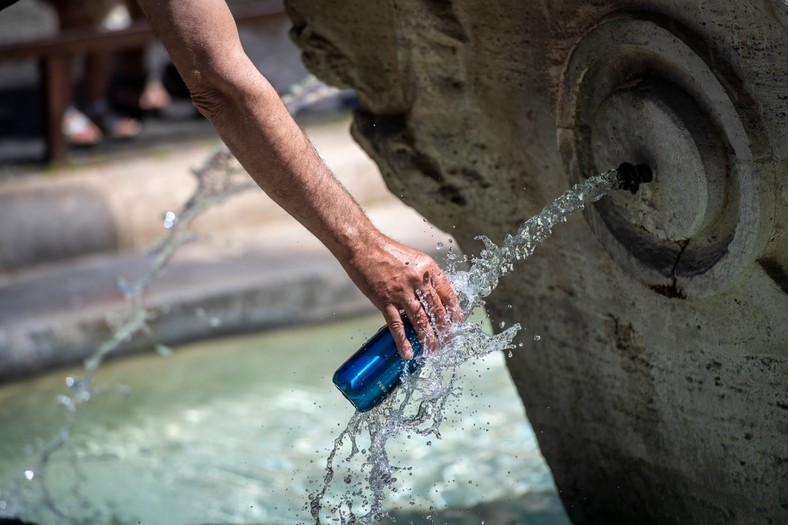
[54,54]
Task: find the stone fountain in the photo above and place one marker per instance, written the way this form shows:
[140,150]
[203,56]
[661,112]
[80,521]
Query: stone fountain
[658,388]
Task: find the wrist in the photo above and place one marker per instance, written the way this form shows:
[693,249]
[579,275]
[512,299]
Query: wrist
[359,241]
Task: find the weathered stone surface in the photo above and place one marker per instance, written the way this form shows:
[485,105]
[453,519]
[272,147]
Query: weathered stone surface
[53,224]
[658,388]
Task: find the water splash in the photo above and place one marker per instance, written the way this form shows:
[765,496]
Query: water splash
[422,403]
[220,177]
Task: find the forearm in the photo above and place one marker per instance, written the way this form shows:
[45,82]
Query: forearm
[276,153]
[251,119]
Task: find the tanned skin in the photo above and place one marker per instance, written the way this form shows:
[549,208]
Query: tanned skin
[202,40]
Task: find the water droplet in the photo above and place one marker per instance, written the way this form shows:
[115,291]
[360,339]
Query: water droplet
[163,350]
[170,219]
[439,246]
[215,322]
[29,475]
[123,286]
[537,337]
[502,324]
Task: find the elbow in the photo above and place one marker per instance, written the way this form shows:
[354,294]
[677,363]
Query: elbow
[207,90]
[217,86]
[210,100]
[214,84]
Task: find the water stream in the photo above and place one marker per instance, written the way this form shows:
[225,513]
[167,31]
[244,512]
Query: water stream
[219,178]
[359,472]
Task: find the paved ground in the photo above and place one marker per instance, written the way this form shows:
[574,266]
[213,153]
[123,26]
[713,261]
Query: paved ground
[66,235]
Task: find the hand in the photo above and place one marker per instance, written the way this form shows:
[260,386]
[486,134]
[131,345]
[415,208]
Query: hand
[395,277]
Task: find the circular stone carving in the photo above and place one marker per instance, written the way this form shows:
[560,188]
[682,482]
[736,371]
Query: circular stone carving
[635,91]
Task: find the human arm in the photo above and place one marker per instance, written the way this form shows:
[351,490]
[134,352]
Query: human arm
[202,40]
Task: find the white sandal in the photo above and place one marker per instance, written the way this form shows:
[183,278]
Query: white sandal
[78,129]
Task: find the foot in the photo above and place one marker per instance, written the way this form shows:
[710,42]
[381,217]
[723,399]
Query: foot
[115,125]
[138,99]
[79,130]
[154,97]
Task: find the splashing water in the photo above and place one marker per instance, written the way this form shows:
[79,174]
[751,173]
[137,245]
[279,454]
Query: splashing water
[221,177]
[355,485]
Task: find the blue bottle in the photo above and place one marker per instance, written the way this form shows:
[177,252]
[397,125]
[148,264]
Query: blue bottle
[375,370]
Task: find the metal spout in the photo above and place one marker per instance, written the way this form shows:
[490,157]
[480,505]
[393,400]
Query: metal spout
[631,176]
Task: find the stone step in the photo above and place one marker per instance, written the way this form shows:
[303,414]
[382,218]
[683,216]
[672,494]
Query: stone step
[118,205]
[252,267]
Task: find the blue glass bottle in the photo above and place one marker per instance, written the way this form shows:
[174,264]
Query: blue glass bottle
[375,370]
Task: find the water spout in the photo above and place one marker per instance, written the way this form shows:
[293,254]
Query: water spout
[632,176]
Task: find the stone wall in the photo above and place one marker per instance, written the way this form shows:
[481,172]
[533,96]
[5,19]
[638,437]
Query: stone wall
[658,388]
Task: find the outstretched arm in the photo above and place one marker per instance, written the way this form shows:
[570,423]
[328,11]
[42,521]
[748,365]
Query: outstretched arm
[202,40]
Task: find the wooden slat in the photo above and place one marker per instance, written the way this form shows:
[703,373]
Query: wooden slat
[54,71]
[87,40]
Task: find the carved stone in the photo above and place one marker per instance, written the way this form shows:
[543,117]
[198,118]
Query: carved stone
[658,388]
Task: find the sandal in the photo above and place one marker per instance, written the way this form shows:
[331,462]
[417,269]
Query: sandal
[114,125]
[78,129]
[149,99]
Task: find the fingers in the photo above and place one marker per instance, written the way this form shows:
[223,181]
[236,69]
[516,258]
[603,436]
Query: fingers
[432,306]
[435,309]
[452,312]
[423,311]
[421,322]
[397,329]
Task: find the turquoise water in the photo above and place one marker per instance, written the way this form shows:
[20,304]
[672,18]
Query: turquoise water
[237,430]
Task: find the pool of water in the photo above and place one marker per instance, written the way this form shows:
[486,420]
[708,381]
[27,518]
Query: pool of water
[237,430]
